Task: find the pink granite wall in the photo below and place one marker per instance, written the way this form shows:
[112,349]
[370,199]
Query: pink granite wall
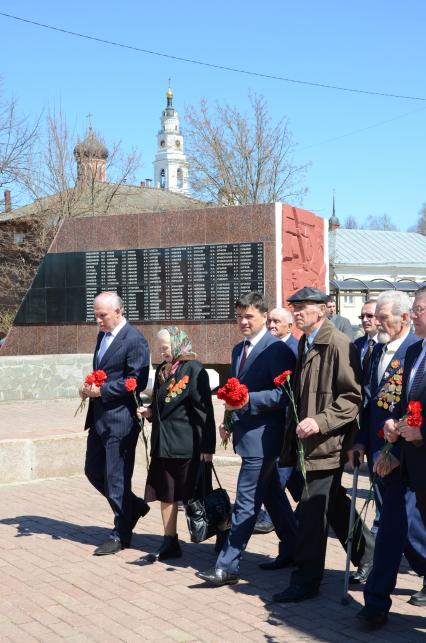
[212,340]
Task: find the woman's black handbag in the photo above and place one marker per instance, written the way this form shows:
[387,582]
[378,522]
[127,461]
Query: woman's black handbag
[207,513]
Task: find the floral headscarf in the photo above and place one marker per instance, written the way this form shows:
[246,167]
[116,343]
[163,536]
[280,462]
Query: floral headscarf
[181,349]
[180,344]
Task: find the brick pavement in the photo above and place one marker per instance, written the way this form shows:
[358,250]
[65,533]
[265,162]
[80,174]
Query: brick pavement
[53,589]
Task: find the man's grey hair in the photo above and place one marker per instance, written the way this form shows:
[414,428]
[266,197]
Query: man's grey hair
[400,301]
[112,298]
[284,312]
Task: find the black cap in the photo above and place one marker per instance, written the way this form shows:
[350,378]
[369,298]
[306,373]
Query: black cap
[310,295]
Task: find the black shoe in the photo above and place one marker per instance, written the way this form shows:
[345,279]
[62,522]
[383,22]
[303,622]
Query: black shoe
[278,563]
[218,577]
[372,617]
[112,546]
[361,574]
[295,594]
[419,598]
[140,510]
[170,548]
[263,527]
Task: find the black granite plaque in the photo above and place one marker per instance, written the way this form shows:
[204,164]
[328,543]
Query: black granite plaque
[156,284]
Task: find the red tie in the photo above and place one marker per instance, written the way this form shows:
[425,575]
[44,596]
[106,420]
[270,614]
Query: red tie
[244,355]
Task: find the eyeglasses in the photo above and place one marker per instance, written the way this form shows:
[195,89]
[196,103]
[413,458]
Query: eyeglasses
[417,310]
[368,315]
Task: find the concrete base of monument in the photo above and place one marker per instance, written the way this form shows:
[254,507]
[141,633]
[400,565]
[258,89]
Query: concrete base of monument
[53,377]
[42,439]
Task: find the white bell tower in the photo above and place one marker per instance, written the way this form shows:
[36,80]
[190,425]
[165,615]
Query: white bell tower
[170,165]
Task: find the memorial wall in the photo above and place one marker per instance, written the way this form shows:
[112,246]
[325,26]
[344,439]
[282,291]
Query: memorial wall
[183,267]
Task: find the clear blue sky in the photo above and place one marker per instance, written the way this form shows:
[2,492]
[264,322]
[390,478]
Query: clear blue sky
[371,45]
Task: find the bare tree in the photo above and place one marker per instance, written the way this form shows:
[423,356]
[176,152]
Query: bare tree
[18,136]
[51,180]
[421,221]
[379,222]
[350,223]
[238,159]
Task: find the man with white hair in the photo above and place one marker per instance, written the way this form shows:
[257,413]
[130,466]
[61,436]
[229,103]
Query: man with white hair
[280,324]
[121,352]
[391,494]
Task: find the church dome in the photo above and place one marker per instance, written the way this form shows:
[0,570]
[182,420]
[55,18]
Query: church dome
[91,147]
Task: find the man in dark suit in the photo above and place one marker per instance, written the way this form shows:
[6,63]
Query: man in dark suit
[280,324]
[412,440]
[122,352]
[366,343]
[257,434]
[342,323]
[391,495]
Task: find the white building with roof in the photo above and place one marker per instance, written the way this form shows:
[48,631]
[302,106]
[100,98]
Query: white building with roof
[363,263]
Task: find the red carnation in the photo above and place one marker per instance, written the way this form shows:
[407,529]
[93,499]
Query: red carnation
[381,433]
[130,383]
[100,377]
[280,380]
[414,414]
[233,393]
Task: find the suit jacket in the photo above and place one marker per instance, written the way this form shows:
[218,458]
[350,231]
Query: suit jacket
[413,454]
[293,344]
[128,356]
[343,324]
[183,426]
[360,343]
[327,388]
[258,428]
[373,416]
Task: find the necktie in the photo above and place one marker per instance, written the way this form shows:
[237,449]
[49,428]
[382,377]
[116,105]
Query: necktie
[307,347]
[381,368]
[244,355]
[103,347]
[418,376]
[367,358]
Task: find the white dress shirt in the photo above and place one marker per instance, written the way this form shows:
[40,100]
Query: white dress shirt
[253,341]
[388,355]
[109,337]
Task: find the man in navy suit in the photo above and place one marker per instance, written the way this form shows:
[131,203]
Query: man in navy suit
[280,324]
[122,352]
[366,343]
[392,496]
[412,440]
[257,434]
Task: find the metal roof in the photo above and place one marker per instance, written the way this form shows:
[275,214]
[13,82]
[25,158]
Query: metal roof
[377,247]
[374,285]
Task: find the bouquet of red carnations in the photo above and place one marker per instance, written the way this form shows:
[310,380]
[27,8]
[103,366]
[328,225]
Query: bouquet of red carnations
[235,395]
[95,377]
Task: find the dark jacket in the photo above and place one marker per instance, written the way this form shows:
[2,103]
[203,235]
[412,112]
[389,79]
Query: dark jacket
[327,388]
[413,454]
[128,356]
[183,426]
[258,427]
[373,416]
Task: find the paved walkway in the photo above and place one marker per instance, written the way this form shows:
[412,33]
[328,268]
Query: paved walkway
[53,589]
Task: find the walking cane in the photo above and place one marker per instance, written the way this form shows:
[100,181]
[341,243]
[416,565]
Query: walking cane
[345,597]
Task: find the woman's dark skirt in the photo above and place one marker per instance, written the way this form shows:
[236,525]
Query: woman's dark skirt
[171,479]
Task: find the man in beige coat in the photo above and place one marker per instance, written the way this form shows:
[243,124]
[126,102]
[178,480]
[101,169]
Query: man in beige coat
[327,391]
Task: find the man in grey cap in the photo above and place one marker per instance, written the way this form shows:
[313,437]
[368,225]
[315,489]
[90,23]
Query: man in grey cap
[327,391]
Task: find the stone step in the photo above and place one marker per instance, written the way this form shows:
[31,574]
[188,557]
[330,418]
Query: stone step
[43,439]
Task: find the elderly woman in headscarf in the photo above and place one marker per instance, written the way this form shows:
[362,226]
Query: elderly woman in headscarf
[183,432]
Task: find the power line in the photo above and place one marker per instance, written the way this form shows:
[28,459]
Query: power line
[210,65]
